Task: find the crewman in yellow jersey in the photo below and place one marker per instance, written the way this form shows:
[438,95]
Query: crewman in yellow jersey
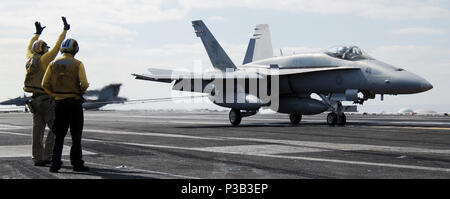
[41,105]
[65,79]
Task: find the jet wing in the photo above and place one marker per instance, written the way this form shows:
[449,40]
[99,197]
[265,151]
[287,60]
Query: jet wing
[275,70]
[163,75]
[194,82]
[167,76]
[255,72]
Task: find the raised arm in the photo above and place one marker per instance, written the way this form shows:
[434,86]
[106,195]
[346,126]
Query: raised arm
[50,55]
[38,32]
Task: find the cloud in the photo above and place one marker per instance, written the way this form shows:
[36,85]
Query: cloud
[175,56]
[413,55]
[382,9]
[218,18]
[418,31]
[87,17]
[111,11]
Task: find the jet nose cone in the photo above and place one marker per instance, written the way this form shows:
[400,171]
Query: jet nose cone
[410,83]
[426,85]
[421,85]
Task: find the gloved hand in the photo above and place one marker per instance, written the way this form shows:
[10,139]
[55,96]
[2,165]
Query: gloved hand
[66,25]
[39,28]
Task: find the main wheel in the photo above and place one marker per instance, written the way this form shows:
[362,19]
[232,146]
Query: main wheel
[235,117]
[332,119]
[295,118]
[341,120]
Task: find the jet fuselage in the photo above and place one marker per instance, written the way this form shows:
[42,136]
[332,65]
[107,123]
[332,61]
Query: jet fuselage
[368,75]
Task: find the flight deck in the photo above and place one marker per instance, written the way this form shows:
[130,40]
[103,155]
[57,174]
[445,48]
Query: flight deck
[201,144]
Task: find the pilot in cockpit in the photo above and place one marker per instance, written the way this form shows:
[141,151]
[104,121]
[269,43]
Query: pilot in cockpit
[342,51]
[351,53]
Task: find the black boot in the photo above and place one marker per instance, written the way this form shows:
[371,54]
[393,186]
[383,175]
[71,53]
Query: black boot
[81,168]
[40,163]
[55,168]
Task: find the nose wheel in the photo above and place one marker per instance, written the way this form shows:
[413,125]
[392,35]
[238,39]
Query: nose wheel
[332,119]
[295,118]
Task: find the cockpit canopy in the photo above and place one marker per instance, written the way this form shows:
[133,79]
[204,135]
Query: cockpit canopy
[352,53]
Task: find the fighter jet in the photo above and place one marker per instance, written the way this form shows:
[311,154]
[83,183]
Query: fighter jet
[285,84]
[94,99]
[18,101]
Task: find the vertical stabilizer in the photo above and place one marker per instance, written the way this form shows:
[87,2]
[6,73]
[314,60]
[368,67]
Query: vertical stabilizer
[217,55]
[260,45]
[109,92]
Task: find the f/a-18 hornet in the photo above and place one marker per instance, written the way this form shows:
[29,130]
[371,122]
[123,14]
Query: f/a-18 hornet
[285,84]
[94,99]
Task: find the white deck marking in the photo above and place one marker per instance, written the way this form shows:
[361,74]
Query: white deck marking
[295,146]
[111,132]
[345,147]
[259,149]
[412,127]
[205,149]
[12,133]
[144,171]
[308,144]
[25,151]
[12,127]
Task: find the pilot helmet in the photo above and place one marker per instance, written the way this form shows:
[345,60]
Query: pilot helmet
[342,49]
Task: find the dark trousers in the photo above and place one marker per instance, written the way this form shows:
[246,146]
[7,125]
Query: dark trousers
[68,113]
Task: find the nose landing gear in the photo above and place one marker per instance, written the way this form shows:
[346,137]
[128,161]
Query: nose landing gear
[341,120]
[334,119]
[337,116]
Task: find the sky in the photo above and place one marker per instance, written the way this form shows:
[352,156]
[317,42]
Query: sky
[121,37]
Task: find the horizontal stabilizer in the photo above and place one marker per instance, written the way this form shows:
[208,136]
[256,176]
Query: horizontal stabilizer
[164,75]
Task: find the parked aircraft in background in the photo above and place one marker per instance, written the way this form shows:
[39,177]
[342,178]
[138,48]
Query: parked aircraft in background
[18,101]
[94,99]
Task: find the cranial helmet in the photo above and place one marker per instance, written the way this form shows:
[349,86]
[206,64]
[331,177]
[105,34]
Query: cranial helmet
[70,46]
[39,47]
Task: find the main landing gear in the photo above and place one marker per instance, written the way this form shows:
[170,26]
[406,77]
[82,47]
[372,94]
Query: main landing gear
[295,118]
[236,115]
[339,119]
[337,116]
